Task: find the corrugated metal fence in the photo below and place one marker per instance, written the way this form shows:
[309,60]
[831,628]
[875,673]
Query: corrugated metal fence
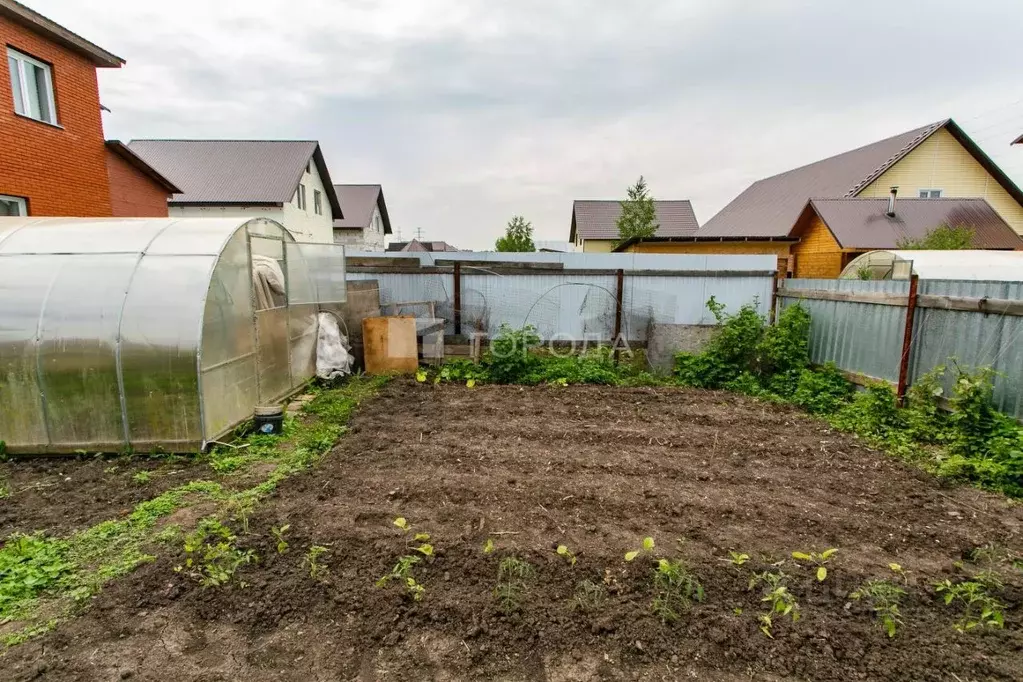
[865,336]
[570,296]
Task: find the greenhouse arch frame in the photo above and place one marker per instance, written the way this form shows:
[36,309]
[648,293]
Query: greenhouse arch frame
[153,334]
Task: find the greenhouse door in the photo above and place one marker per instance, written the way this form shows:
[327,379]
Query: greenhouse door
[269,282]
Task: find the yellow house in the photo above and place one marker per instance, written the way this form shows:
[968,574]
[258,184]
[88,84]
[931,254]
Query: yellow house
[935,162]
[595,229]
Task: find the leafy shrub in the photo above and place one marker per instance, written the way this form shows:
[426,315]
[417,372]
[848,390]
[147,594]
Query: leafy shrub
[744,344]
[509,359]
[212,558]
[873,413]
[823,390]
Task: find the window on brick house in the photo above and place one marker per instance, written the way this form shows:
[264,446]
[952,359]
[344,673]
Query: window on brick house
[300,196]
[318,202]
[12,206]
[32,83]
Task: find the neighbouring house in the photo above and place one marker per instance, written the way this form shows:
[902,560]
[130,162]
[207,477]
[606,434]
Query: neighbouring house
[136,189]
[1018,140]
[938,161]
[54,160]
[416,245]
[832,232]
[365,224]
[283,180]
[594,222]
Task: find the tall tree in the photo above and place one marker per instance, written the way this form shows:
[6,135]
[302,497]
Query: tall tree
[638,218]
[941,238]
[518,236]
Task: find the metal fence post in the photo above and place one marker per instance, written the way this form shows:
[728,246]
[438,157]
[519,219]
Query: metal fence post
[907,339]
[620,276]
[458,298]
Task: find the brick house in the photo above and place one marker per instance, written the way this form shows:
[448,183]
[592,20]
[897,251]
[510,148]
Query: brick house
[55,160]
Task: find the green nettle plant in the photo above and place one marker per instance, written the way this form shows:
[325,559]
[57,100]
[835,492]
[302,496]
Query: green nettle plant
[883,598]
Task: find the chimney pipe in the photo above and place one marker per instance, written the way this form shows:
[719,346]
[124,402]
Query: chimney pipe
[891,202]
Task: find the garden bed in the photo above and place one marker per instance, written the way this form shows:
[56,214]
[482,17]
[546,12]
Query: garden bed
[597,470]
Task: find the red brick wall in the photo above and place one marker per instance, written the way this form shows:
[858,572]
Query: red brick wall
[134,194]
[61,171]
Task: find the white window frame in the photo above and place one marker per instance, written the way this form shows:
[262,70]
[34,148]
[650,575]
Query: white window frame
[300,197]
[318,202]
[929,193]
[19,201]
[21,59]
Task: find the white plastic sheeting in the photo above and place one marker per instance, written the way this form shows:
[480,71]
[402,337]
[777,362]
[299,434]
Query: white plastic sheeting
[332,357]
[955,265]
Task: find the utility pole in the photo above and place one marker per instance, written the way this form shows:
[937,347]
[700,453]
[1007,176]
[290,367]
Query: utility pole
[419,233]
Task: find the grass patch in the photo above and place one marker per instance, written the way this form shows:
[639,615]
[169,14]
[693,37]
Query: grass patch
[44,580]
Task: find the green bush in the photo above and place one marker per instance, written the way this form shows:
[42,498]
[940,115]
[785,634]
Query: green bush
[744,344]
[822,391]
[510,358]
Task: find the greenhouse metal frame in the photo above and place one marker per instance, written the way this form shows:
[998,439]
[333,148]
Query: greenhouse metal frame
[155,334]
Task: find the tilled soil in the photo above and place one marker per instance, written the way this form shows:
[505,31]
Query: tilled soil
[596,469]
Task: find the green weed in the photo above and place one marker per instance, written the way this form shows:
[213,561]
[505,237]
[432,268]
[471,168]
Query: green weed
[979,608]
[564,551]
[211,555]
[513,575]
[883,598]
[589,595]
[317,569]
[142,477]
[402,573]
[647,546]
[278,533]
[676,588]
[782,602]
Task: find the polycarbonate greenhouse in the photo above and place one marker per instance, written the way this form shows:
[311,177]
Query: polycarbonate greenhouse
[152,333]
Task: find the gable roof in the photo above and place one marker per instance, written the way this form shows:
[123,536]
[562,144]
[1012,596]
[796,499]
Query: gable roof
[596,219]
[860,223]
[416,245]
[358,202]
[235,172]
[131,158]
[1018,140]
[770,207]
[34,21]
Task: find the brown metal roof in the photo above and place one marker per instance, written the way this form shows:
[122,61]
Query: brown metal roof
[416,245]
[235,172]
[134,160]
[596,219]
[864,223]
[770,207]
[358,202]
[34,21]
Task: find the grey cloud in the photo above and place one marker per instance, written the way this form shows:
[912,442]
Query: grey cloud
[471,111]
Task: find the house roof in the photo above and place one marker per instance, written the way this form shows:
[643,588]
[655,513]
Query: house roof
[34,21]
[1018,140]
[416,245]
[860,223]
[133,159]
[235,172]
[596,219]
[770,207]
[358,202]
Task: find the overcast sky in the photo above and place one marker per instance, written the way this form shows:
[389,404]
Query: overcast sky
[471,111]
